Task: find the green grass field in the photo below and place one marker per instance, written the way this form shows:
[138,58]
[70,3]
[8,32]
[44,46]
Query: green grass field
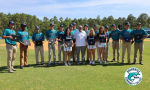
[88,77]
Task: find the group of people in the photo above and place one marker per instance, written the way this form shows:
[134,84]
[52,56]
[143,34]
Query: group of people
[72,41]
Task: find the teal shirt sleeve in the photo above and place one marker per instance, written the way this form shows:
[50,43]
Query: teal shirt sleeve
[33,37]
[4,33]
[28,35]
[145,33]
[43,37]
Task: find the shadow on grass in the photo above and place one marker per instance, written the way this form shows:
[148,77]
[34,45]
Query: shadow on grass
[4,69]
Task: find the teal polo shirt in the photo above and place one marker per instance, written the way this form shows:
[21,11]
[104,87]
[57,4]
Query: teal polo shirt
[38,37]
[75,30]
[23,35]
[51,34]
[126,33]
[107,33]
[96,32]
[58,33]
[9,32]
[141,31]
[115,35]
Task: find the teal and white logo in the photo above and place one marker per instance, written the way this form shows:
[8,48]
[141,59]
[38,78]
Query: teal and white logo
[133,76]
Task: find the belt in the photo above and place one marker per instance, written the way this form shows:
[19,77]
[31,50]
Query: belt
[13,44]
[115,40]
[139,42]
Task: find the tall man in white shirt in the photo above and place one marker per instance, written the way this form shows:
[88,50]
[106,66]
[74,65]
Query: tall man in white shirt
[80,37]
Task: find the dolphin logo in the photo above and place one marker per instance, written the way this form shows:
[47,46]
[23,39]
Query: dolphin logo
[132,75]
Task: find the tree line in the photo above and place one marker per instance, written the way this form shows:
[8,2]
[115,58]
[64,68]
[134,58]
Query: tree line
[32,21]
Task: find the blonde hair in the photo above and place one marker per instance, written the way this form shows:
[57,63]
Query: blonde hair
[92,32]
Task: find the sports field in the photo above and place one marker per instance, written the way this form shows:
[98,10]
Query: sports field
[75,77]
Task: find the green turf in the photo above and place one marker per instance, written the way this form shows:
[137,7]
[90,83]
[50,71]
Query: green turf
[88,77]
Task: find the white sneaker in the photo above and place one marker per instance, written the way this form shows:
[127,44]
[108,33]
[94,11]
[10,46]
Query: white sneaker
[66,64]
[93,62]
[71,60]
[69,63]
[105,62]
[90,62]
[100,62]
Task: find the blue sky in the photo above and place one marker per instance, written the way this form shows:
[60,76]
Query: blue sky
[76,8]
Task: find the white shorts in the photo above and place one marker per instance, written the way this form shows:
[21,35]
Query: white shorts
[102,45]
[91,46]
[67,48]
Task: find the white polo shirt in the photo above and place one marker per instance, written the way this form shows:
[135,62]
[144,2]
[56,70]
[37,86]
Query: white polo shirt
[80,38]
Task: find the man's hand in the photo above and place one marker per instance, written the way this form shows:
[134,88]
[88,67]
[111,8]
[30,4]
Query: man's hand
[142,39]
[42,42]
[65,45]
[49,42]
[34,42]
[130,40]
[59,39]
[10,37]
[54,42]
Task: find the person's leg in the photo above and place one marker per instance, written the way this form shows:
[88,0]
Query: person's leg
[78,53]
[113,46]
[128,51]
[42,54]
[93,53]
[66,54]
[107,48]
[141,47]
[49,53]
[13,57]
[54,52]
[89,54]
[123,51]
[100,52]
[136,47]
[59,52]
[82,52]
[21,54]
[9,57]
[118,50]
[26,56]
[98,57]
[62,49]
[37,54]
[75,53]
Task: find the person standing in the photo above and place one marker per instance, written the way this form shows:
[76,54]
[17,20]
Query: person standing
[52,34]
[11,46]
[96,32]
[91,45]
[72,56]
[80,37]
[139,36]
[23,48]
[115,34]
[127,38]
[102,43]
[60,43]
[107,44]
[37,38]
[86,44]
[67,49]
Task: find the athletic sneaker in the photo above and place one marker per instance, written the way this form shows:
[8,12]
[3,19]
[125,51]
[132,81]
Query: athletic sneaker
[90,62]
[105,62]
[66,64]
[100,62]
[93,62]
[69,63]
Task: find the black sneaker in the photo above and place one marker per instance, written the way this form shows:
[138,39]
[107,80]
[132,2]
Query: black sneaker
[113,60]
[42,64]
[49,64]
[133,62]
[55,63]
[141,63]
[27,66]
[21,67]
